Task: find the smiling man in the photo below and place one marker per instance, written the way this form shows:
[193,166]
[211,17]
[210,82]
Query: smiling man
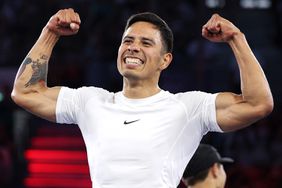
[143,54]
[142,136]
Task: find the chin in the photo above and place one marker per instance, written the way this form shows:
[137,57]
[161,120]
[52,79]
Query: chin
[130,75]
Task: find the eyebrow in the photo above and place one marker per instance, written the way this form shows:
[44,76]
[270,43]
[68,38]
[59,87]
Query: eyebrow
[142,39]
[148,40]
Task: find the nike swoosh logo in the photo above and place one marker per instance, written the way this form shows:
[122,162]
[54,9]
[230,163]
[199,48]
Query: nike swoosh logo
[128,122]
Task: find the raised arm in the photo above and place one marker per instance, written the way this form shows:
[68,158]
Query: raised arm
[238,111]
[30,87]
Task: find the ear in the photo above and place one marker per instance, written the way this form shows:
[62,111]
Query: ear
[167,58]
[215,168]
[184,181]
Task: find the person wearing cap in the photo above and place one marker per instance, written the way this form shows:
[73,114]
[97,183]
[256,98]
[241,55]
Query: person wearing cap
[205,169]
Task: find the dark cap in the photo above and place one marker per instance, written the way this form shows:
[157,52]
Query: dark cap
[204,157]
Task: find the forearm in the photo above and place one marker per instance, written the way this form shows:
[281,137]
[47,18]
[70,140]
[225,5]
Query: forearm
[32,74]
[254,85]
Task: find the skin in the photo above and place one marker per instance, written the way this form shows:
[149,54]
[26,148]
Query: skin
[142,41]
[238,111]
[145,45]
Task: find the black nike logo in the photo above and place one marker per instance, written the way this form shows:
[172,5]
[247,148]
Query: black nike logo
[128,122]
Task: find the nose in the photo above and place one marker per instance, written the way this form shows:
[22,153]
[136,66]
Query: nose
[133,47]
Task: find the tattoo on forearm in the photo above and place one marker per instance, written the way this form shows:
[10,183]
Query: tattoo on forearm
[39,68]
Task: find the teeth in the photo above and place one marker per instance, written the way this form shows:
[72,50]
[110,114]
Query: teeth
[134,61]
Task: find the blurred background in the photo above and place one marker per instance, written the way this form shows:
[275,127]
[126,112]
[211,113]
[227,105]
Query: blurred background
[37,153]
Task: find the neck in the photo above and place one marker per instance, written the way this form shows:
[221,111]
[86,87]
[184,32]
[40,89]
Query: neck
[137,90]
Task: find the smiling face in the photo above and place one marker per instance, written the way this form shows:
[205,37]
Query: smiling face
[141,55]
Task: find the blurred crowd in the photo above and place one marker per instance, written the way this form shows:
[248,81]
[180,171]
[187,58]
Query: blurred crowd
[89,58]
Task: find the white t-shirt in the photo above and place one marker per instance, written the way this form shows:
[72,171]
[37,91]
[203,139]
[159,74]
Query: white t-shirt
[138,143]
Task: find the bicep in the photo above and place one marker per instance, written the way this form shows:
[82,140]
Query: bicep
[233,112]
[42,103]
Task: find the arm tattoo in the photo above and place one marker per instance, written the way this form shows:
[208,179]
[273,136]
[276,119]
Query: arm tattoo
[39,69]
[22,68]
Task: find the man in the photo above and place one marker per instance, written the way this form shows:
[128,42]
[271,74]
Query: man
[205,169]
[142,136]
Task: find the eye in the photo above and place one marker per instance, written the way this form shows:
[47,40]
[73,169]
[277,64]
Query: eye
[147,44]
[127,41]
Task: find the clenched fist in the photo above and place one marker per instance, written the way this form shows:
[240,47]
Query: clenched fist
[218,29]
[64,23]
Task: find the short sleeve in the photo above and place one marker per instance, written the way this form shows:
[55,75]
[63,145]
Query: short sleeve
[200,106]
[67,106]
[209,114]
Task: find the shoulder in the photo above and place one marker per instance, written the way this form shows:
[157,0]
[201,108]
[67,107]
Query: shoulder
[195,99]
[86,92]
[92,89]
[193,95]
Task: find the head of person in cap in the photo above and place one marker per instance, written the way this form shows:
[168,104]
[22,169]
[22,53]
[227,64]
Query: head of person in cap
[205,169]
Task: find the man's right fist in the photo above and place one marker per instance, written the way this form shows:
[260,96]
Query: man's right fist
[65,22]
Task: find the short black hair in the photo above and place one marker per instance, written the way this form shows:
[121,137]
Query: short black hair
[166,33]
[201,176]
